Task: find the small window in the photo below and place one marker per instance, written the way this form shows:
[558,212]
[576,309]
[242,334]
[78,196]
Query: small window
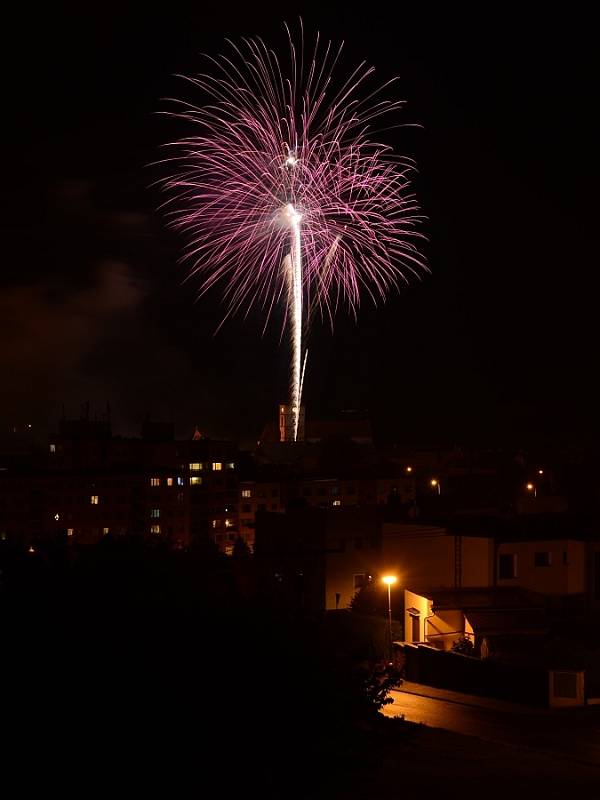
[169,481]
[229,523]
[216,523]
[507,565]
[154,528]
[180,481]
[94,499]
[360,580]
[217,466]
[105,531]
[195,467]
[542,559]
[230,465]
[195,481]
[246,493]
[155,513]
[53,448]
[154,481]
[337,502]
[70,531]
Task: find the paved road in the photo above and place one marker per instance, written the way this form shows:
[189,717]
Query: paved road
[568,733]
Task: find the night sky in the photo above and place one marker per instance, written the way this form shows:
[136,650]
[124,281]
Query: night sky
[498,344]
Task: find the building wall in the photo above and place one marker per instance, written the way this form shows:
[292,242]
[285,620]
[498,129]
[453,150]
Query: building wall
[424,557]
[564,574]
[420,603]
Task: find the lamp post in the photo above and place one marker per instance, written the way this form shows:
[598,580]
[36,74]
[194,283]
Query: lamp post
[434,483]
[531,488]
[389,580]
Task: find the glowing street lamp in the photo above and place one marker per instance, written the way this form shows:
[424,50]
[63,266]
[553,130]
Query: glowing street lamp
[435,484]
[389,580]
[531,488]
[409,469]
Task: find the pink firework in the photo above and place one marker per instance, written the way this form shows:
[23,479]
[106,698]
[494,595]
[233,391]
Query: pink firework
[282,192]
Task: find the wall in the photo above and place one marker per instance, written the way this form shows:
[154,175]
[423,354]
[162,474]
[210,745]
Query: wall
[564,575]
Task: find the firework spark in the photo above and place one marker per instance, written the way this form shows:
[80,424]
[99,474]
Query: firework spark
[282,192]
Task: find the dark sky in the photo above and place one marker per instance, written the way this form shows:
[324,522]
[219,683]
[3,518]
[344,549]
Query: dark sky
[498,343]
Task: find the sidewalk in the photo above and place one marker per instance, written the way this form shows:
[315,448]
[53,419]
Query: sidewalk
[467,699]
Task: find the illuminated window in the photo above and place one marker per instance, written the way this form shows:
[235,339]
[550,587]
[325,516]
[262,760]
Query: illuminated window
[195,481]
[154,528]
[228,549]
[217,466]
[104,531]
[180,481]
[230,465]
[195,467]
[155,513]
[169,481]
[337,502]
[246,493]
[229,523]
[70,531]
[154,481]
[215,523]
[53,448]
[94,499]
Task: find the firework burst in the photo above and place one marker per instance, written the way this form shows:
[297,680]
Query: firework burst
[282,192]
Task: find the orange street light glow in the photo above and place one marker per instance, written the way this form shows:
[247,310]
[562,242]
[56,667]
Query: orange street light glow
[389,579]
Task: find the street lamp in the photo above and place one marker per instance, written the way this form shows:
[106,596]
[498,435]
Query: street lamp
[389,580]
[531,488]
[436,485]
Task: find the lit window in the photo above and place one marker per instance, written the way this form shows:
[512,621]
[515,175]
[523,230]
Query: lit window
[195,481]
[94,499]
[228,549]
[154,528]
[155,513]
[229,523]
[195,467]
[230,465]
[53,448]
[104,531]
[246,493]
[70,531]
[337,502]
[215,523]
[180,481]
[217,466]
[169,481]
[154,481]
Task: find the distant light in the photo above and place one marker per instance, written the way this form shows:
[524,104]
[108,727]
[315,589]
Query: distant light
[540,471]
[57,517]
[31,549]
[409,469]
[530,487]
[389,579]
[29,425]
[434,482]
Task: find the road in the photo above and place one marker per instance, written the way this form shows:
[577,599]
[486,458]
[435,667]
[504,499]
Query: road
[566,733]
